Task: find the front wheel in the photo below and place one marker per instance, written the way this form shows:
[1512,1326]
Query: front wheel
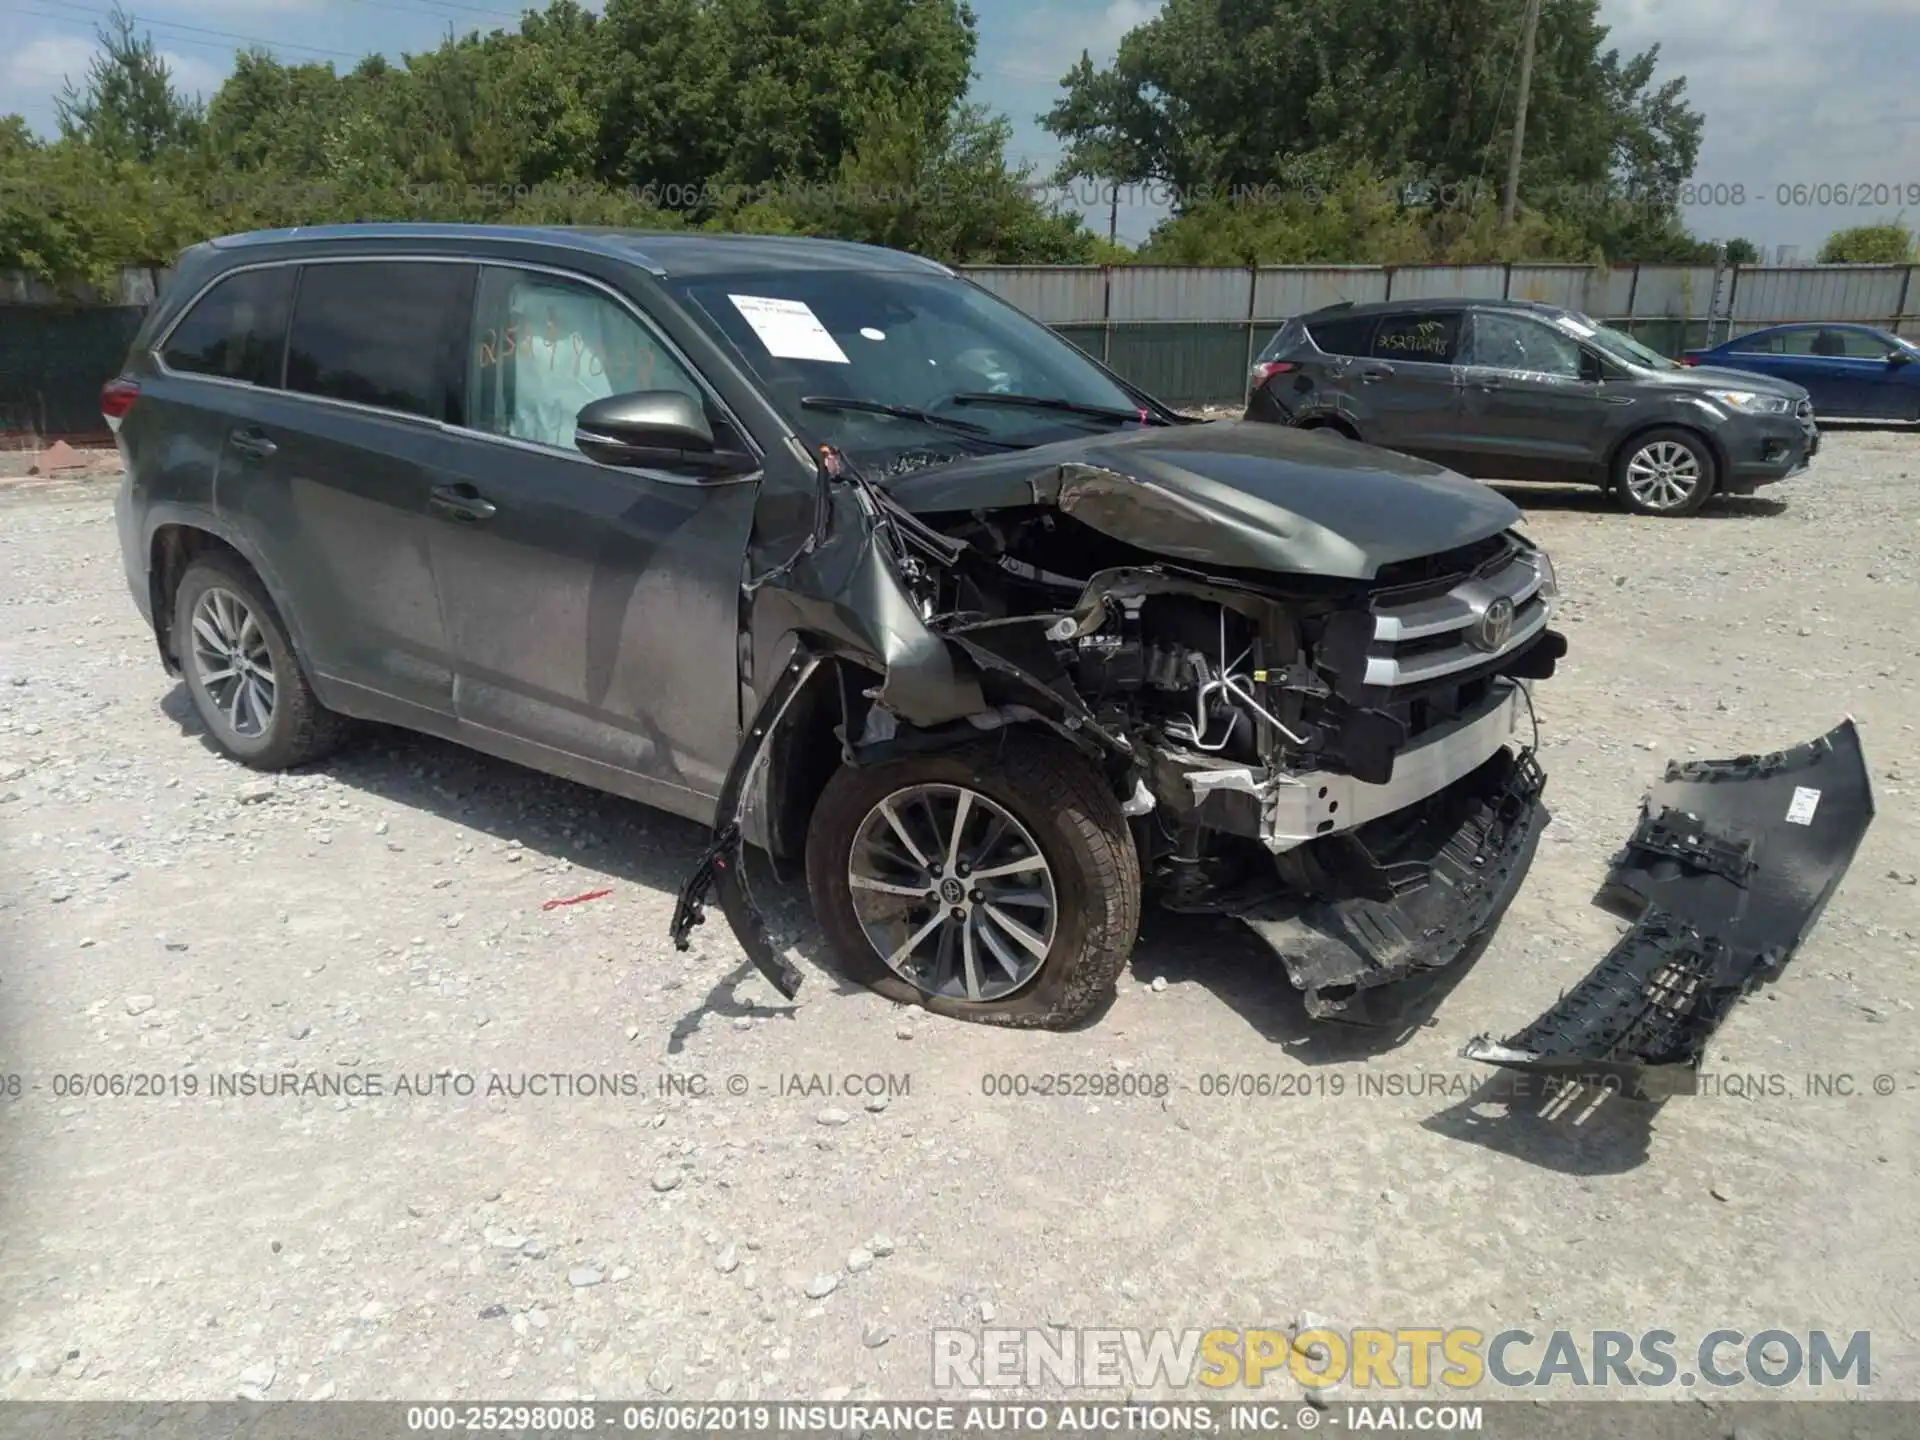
[997,883]
[1664,472]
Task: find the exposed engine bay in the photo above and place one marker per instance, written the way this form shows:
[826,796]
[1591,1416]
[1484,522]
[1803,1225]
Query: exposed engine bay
[1325,733]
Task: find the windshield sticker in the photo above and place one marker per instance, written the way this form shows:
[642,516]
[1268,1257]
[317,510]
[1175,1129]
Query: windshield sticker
[872,334]
[789,329]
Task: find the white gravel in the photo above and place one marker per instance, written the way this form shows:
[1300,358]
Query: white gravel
[719,1229]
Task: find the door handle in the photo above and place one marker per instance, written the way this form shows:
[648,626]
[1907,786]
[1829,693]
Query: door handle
[252,441]
[1376,372]
[461,502]
[1490,382]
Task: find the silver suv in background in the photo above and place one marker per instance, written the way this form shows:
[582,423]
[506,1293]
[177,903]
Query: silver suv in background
[1512,390]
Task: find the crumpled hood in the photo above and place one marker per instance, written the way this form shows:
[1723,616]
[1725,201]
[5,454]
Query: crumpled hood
[1232,493]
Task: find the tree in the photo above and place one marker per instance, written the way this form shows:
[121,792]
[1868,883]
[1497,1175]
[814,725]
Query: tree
[1287,96]
[1888,244]
[127,108]
[1104,120]
[1741,251]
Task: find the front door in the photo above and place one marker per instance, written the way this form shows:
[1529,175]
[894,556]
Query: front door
[593,611]
[1535,407]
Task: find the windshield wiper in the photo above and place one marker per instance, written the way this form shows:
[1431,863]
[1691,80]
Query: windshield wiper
[898,412]
[1142,416]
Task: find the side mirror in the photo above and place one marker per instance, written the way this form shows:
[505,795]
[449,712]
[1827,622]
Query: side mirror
[1898,358]
[655,429]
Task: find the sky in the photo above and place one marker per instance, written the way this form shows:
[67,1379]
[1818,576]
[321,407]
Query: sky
[1812,106]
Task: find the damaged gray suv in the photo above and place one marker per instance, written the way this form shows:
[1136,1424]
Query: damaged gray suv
[826,547]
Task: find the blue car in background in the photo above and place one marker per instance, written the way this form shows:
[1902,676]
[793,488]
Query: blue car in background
[1853,372]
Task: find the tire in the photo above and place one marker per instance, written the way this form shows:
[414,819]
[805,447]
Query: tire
[221,601]
[1651,473]
[1063,814]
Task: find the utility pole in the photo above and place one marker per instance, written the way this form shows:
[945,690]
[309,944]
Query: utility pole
[1530,27]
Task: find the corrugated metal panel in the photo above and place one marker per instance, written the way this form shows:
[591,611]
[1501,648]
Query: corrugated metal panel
[1601,293]
[1184,364]
[1281,292]
[1673,290]
[53,363]
[1768,295]
[1051,294]
[1445,282]
[1169,292]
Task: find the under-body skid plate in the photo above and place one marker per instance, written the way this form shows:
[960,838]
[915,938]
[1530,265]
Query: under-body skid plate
[1730,866]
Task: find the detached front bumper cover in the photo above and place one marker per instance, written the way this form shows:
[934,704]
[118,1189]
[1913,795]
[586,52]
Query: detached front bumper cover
[1731,865]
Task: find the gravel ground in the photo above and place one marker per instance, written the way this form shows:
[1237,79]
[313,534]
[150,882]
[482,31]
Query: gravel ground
[167,914]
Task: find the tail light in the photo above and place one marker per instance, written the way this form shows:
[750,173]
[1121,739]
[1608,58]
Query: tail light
[116,399]
[1267,369]
[1689,360]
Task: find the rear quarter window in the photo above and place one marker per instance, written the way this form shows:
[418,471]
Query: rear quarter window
[237,330]
[1343,337]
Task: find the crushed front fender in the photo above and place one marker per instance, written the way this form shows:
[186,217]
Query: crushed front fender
[1726,873]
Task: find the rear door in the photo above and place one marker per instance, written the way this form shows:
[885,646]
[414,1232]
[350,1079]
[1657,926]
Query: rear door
[593,611]
[338,473]
[1862,383]
[1535,405]
[1404,393]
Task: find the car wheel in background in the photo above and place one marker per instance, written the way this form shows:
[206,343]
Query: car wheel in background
[1664,472]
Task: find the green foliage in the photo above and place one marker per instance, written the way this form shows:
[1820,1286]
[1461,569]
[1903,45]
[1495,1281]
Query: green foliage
[1888,244]
[841,117]
[1741,251]
[1295,98]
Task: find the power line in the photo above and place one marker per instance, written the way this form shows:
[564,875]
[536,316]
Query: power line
[227,35]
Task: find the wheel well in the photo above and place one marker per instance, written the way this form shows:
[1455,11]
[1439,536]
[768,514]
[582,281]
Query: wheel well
[1632,436]
[175,547]
[1331,422]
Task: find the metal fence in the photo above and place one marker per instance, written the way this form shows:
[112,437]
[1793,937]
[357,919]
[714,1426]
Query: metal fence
[1186,334]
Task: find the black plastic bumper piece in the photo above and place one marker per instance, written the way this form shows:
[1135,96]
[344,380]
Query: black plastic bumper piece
[1731,865]
[1469,854]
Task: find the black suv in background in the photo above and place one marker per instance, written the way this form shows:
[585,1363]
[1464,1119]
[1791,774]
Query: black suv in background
[1513,390]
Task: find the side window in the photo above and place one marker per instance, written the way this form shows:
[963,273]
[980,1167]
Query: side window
[1500,341]
[389,333]
[1425,337]
[1865,345]
[1343,337]
[1760,343]
[1796,342]
[237,330]
[544,347]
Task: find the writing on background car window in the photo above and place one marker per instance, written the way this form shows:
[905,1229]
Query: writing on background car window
[1424,337]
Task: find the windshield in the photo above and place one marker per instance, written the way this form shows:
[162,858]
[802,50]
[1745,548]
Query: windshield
[902,343]
[1616,343]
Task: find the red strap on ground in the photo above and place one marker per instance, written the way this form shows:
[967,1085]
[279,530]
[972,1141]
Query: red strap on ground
[575,899]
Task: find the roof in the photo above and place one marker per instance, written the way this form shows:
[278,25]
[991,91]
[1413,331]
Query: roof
[664,252]
[1448,302]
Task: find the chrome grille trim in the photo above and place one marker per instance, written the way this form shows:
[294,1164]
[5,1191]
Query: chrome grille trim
[1455,613]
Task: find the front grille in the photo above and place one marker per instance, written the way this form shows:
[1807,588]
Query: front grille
[1473,623]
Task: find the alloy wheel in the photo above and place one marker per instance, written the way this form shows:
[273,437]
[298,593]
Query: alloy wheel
[1663,475]
[232,662]
[952,892]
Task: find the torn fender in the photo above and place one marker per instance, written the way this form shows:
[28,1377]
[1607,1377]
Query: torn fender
[723,866]
[1730,866]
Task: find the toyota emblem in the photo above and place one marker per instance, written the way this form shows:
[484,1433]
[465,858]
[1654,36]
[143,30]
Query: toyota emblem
[1495,624]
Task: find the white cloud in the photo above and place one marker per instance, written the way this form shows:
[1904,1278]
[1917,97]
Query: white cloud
[39,66]
[1048,42]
